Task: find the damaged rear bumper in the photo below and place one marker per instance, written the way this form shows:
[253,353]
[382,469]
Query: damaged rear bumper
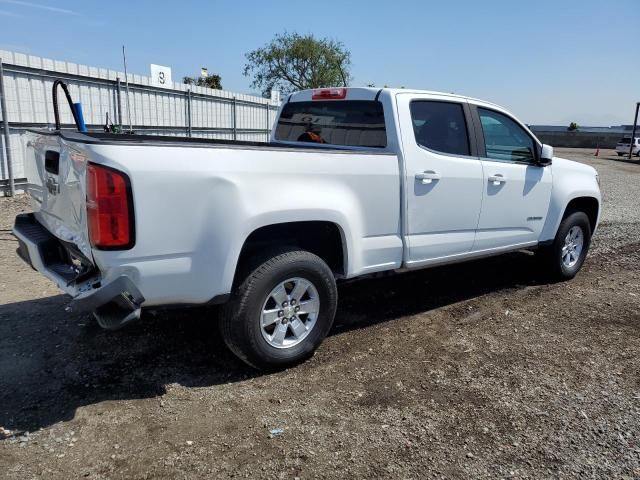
[70,271]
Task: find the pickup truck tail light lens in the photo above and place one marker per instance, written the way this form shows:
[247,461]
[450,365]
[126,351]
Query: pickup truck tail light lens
[329,94]
[109,208]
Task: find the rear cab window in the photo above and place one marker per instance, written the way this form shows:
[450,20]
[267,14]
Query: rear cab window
[354,123]
[440,126]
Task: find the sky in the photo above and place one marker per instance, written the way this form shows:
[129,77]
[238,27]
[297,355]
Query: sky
[548,61]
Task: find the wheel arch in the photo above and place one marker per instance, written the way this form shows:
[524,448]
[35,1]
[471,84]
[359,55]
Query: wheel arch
[587,204]
[324,238]
[560,207]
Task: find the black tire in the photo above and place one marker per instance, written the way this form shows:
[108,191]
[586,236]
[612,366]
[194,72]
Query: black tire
[556,268]
[240,317]
[620,154]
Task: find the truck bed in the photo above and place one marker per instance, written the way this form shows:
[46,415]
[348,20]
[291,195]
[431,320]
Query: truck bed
[195,202]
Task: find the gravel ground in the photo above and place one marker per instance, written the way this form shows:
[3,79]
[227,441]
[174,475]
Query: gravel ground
[479,370]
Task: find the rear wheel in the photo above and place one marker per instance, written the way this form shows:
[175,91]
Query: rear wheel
[620,154]
[568,251]
[281,311]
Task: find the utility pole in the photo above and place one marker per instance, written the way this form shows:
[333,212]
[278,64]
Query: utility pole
[126,79]
[633,135]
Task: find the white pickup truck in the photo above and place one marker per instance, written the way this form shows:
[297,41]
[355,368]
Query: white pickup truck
[355,181]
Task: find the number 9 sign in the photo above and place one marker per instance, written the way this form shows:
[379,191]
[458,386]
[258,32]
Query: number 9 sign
[161,76]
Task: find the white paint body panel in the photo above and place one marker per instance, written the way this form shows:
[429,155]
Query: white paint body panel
[571,180]
[514,211]
[193,215]
[442,215]
[196,205]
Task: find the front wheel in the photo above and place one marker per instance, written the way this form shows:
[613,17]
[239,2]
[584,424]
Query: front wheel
[568,251]
[281,311]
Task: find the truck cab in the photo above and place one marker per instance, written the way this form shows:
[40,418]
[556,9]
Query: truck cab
[475,180]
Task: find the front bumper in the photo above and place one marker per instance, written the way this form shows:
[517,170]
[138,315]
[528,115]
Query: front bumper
[60,264]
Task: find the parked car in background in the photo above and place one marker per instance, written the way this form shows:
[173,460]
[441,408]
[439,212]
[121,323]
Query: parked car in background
[622,148]
[355,181]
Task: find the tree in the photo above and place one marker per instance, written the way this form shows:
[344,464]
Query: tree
[211,81]
[572,126]
[295,62]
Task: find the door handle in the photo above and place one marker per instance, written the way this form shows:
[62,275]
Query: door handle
[497,179]
[427,176]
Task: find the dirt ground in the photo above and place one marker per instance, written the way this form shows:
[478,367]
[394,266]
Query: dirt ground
[479,370]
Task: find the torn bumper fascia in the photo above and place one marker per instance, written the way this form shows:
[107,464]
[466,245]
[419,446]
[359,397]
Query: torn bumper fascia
[46,254]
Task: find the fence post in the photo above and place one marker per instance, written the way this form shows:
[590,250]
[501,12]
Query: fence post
[189,112]
[267,130]
[7,140]
[234,113]
[119,101]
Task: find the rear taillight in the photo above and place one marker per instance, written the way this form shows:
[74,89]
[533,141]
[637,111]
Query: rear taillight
[329,94]
[109,208]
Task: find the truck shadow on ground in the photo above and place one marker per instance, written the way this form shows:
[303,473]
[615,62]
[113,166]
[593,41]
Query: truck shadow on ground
[52,362]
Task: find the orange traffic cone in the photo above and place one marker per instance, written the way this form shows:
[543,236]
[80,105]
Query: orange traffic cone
[597,152]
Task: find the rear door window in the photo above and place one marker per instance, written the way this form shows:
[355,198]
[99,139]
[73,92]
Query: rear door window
[440,126]
[356,123]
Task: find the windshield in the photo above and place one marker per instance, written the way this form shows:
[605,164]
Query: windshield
[626,141]
[356,123]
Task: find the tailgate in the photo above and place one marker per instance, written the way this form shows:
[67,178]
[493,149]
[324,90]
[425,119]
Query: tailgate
[55,169]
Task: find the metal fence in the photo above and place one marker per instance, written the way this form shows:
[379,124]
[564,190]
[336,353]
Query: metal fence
[181,110]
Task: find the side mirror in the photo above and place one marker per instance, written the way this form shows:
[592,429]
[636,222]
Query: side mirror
[546,155]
